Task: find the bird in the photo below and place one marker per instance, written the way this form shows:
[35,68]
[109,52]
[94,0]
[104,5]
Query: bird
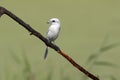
[53,32]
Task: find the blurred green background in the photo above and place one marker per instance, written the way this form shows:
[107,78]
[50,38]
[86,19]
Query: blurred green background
[86,26]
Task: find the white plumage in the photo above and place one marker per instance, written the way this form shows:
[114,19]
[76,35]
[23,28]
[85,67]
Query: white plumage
[53,32]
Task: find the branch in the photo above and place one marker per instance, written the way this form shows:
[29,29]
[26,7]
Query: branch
[53,46]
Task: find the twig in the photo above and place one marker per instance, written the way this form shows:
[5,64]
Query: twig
[53,46]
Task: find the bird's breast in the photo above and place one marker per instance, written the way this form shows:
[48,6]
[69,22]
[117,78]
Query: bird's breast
[53,32]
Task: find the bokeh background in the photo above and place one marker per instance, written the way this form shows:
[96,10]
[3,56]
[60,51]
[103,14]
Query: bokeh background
[90,34]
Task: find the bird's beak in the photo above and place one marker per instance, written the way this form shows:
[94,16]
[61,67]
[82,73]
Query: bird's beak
[48,22]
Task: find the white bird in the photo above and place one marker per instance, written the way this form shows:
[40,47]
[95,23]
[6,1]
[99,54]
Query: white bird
[53,32]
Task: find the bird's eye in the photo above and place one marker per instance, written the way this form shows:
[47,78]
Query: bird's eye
[53,21]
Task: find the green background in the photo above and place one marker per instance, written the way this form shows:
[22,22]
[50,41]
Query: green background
[84,26]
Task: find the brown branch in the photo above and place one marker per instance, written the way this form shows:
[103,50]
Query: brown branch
[53,46]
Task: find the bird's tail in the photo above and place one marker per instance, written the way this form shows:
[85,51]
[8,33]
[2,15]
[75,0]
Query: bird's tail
[46,52]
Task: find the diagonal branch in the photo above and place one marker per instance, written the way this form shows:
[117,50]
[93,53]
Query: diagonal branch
[53,46]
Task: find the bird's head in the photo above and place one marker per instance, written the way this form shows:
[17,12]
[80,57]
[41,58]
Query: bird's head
[54,21]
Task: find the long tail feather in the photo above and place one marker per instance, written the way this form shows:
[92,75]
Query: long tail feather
[46,52]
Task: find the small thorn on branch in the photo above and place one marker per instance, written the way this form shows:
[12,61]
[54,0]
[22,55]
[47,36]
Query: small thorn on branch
[31,33]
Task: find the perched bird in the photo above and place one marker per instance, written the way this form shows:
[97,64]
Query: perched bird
[53,32]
